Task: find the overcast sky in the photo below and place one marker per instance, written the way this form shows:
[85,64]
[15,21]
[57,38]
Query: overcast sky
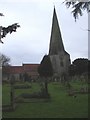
[31,41]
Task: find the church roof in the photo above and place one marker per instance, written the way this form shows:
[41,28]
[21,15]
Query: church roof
[56,43]
[30,67]
[25,68]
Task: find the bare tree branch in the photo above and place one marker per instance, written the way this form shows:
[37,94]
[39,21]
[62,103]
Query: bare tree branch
[1,14]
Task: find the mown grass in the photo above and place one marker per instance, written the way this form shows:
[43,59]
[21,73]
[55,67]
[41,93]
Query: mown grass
[60,106]
[6,94]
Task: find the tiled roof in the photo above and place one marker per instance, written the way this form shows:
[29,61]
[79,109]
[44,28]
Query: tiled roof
[30,67]
[15,69]
[25,68]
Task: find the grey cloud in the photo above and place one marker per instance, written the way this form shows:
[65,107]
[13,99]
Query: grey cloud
[31,41]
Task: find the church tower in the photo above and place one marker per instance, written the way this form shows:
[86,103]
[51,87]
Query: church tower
[59,57]
[56,44]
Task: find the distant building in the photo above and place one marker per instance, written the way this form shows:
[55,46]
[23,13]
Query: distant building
[31,70]
[59,57]
[19,71]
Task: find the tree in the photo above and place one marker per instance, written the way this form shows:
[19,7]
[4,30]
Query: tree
[5,63]
[78,7]
[45,69]
[4,60]
[1,14]
[5,30]
[79,67]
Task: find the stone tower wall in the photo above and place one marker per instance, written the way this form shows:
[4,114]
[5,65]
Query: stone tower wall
[60,63]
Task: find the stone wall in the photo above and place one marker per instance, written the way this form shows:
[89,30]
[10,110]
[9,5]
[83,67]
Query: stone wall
[60,63]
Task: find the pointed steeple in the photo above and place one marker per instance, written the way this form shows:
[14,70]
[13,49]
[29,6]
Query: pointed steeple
[56,44]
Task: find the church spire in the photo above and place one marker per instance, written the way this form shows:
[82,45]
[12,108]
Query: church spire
[56,44]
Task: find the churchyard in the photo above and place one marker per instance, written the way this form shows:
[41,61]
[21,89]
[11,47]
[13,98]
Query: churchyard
[60,98]
[63,101]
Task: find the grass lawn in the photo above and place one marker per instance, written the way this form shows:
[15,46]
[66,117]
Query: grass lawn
[60,106]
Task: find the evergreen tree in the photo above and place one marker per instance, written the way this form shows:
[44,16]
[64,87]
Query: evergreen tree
[79,66]
[5,30]
[78,7]
[45,70]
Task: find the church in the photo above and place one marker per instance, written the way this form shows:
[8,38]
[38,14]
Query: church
[60,59]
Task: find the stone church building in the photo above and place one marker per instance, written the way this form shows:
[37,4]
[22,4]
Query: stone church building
[60,59]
